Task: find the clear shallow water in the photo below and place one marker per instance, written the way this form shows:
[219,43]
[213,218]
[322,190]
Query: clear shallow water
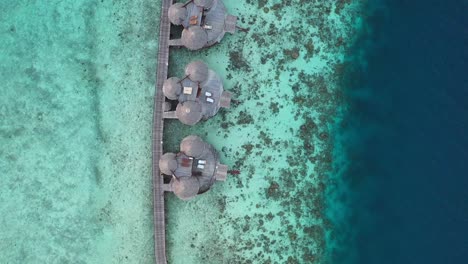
[75,122]
[280,134]
[75,127]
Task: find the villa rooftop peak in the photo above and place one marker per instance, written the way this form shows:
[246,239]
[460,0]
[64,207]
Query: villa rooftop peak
[199,95]
[193,170]
[205,23]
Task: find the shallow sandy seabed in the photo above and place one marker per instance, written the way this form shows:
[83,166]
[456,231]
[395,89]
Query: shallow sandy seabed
[75,131]
[75,134]
[284,74]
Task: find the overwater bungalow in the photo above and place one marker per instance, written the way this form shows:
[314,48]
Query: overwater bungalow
[194,169]
[200,94]
[205,23]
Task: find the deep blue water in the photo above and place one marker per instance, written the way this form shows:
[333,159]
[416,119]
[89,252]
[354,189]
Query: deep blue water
[409,108]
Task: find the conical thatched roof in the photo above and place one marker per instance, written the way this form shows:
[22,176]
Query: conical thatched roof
[194,38]
[189,112]
[197,71]
[168,163]
[192,146]
[177,13]
[186,188]
[172,88]
[204,3]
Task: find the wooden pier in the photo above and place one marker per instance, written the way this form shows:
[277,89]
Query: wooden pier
[158,126]
[220,23]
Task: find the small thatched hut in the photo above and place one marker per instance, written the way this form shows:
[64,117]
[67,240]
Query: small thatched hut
[194,169]
[205,23]
[200,94]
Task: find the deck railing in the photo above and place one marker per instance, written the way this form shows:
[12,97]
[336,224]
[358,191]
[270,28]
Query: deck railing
[158,126]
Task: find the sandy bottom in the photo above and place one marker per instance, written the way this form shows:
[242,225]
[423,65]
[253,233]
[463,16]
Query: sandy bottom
[75,134]
[75,131]
[279,133]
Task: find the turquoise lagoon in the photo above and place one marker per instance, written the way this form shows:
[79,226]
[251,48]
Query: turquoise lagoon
[75,134]
[75,121]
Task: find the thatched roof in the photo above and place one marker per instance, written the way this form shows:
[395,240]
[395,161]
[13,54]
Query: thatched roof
[172,88]
[194,37]
[177,13]
[206,4]
[197,71]
[168,163]
[186,188]
[189,112]
[193,146]
[196,168]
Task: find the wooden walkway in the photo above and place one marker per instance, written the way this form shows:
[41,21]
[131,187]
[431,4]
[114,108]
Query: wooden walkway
[158,126]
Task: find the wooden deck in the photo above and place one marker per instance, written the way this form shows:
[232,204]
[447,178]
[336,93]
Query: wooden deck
[230,25]
[158,126]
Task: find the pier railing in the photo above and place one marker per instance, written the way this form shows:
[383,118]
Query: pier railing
[158,126]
